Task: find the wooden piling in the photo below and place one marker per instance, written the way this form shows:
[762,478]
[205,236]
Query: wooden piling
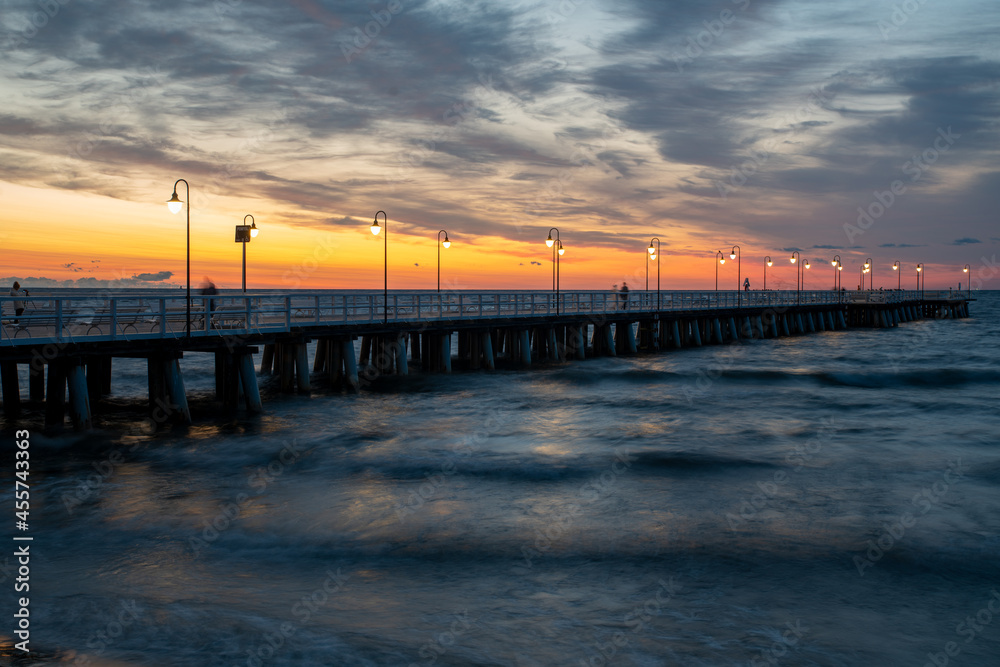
[11,389]
[79,399]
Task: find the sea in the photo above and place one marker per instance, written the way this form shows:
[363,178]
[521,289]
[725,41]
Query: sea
[825,499]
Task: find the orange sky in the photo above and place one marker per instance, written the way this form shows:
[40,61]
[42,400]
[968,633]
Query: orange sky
[105,238]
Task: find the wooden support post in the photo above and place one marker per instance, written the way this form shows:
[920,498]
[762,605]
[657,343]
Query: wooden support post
[630,345]
[55,397]
[581,344]
[820,324]
[335,362]
[248,379]
[36,381]
[350,364]
[11,389]
[676,334]
[487,343]
[695,333]
[79,400]
[446,352]
[608,342]
[319,362]
[175,389]
[285,352]
[156,383]
[840,317]
[267,359]
[399,352]
[524,343]
[366,350]
[302,368]
[716,331]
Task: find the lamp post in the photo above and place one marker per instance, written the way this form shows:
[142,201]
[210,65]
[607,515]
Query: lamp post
[767,263]
[654,253]
[735,254]
[798,273]
[447,244]
[836,274]
[174,204]
[968,283]
[244,233]
[805,265]
[722,260]
[871,273]
[557,251]
[385,262]
[896,266]
[920,269]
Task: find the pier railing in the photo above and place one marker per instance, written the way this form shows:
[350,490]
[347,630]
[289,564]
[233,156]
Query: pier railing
[102,316]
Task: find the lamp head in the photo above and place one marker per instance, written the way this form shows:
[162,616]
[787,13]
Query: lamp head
[770,263]
[561,250]
[920,267]
[174,203]
[840,267]
[722,260]
[792,260]
[652,256]
[549,241]
[376,228]
[651,249]
[447,242]
[965,270]
[253,230]
[806,264]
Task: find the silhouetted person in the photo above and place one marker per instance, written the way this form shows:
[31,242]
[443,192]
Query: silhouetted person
[746,284]
[624,296]
[208,289]
[16,291]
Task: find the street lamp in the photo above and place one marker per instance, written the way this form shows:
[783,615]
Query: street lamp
[767,263]
[447,244]
[968,284]
[174,204]
[735,254]
[870,269]
[722,260]
[244,233]
[835,263]
[654,253]
[557,251]
[385,262]
[805,265]
[896,266]
[920,268]
[798,273]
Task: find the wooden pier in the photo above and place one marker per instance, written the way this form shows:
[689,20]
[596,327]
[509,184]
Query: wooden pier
[69,342]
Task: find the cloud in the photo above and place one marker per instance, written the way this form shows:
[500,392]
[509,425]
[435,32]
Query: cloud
[901,245]
[153,277]
[965,241]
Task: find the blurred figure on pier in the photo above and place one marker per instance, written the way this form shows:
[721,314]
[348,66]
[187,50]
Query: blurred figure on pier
[16,291]
[624,294]
[208,289]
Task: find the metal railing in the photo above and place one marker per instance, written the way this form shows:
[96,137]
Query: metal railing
[98,315]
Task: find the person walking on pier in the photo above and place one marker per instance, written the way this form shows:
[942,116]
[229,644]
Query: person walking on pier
[16,291]
[208,289]
[624,295]
[746,284]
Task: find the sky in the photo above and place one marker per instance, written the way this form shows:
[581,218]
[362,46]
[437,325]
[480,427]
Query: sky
[859,129]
